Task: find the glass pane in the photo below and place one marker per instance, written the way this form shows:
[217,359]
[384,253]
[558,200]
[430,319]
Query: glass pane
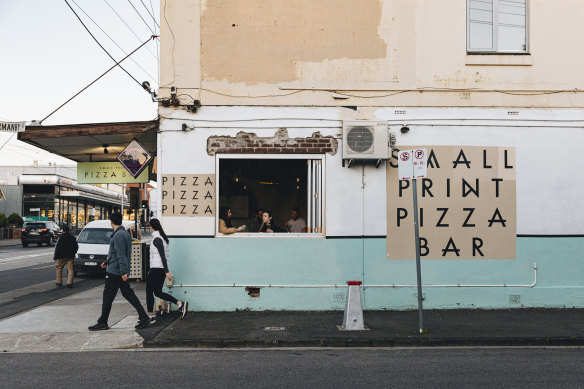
[512,26]
[512,39]
[480,24]
[275,185]
[481,36]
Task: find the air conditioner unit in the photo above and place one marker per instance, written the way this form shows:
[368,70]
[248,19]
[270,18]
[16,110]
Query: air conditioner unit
[366,140]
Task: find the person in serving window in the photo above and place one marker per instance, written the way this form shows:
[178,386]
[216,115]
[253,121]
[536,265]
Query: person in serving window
[268,225]
[254,224]
[225,226]
[295,223]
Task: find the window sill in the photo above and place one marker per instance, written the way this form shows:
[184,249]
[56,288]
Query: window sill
[498,60]
[264,235]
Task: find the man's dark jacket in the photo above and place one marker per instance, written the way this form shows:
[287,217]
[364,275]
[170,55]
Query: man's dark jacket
[66,247]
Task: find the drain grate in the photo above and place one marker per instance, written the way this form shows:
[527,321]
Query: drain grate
[275,328]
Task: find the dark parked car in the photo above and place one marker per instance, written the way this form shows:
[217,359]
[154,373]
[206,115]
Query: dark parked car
[39,233]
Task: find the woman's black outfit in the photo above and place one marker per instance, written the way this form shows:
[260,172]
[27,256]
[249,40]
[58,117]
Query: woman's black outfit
[156,275]
[273,226]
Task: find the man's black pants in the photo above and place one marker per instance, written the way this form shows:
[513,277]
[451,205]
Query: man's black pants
[112,284]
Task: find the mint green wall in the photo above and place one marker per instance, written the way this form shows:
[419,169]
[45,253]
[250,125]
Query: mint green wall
[253,261]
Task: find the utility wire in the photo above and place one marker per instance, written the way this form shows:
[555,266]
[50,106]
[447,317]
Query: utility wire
[130,28]
[94,81]
[141,17]
[151,14]
[10,137]
[157,50]
[103,48]
[111,39]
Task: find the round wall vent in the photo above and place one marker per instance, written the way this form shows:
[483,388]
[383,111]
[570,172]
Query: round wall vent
[360,139]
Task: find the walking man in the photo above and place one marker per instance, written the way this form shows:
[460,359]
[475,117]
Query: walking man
[117,270]
[64,254]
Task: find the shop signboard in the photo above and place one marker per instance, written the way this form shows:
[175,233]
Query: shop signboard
[135,158]
[107,173]
[467,205]
[188,195]
[2,197]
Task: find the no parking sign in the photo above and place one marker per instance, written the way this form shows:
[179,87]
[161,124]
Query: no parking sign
[412,164]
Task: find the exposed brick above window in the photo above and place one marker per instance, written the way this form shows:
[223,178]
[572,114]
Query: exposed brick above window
[280,143]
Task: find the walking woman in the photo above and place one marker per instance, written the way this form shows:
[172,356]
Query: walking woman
[159,270]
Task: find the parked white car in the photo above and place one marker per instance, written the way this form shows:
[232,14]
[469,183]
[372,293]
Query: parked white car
[94,241]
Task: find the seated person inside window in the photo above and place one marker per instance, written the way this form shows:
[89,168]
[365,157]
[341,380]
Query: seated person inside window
[295,223]
[268,225]
[256,222]
[225,226]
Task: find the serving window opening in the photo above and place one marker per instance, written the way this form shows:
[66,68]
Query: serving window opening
[289,190]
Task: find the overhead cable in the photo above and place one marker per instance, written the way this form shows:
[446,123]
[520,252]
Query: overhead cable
[100,45]
[130,28]
[114,42]
[173,43]
[157,50]
[151,14]
[141,17]
[94,81]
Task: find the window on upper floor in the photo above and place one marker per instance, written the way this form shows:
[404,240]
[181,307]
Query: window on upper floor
[496,26]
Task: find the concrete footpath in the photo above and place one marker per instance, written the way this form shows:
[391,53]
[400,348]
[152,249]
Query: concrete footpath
[62,326]
[10,242]
[519,327]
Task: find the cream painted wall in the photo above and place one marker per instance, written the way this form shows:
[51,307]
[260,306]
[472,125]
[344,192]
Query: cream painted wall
[416,44]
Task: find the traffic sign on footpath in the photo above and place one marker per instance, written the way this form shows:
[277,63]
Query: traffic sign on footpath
[412,164]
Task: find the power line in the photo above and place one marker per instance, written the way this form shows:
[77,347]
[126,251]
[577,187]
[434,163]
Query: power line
[100,45]
[130,28]
[94,81]
[141,17]
[119,47]
[157,59]
[151,14]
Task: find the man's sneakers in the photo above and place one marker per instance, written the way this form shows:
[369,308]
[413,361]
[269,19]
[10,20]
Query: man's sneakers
[98,327]
[143,323]
[183,309]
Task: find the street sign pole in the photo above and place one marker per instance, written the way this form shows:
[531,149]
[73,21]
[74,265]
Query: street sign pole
[418,265]
[412,165]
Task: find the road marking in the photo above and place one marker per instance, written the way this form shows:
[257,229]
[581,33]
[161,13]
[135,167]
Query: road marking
[42,267]
[23,257]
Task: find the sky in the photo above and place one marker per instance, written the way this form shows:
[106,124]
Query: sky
[47,56]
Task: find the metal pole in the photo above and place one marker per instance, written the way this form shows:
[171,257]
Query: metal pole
[418,266]
[123,194]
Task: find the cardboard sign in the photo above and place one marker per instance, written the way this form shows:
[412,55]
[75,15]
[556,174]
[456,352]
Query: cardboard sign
[467,205]
[188,195]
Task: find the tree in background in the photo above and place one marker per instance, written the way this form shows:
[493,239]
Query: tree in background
[15,220]
[3,221]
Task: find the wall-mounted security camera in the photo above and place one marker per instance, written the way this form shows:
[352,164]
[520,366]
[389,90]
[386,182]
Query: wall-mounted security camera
[405,130]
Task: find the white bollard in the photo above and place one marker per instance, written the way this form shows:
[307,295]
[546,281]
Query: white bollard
[353,318]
